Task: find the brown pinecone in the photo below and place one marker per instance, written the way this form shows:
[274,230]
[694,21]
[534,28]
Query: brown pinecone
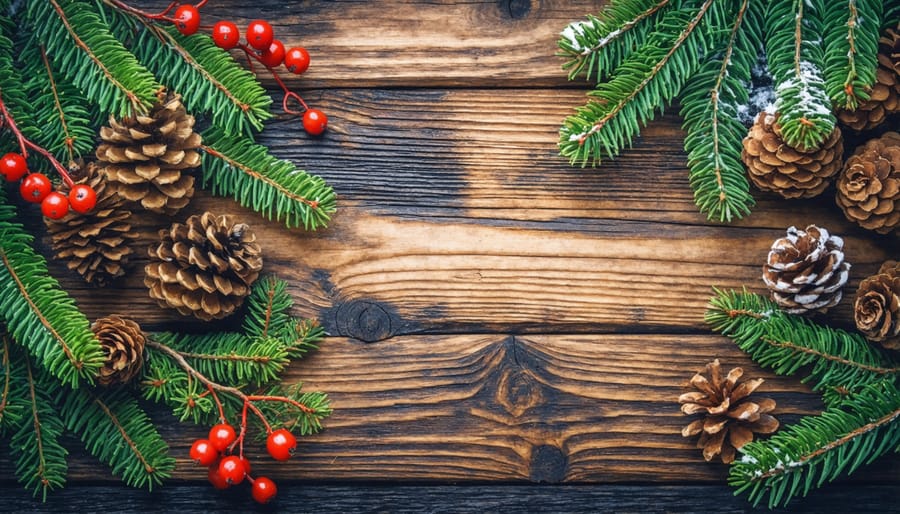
[123,342]
[884,98]
[868,188]
[204,267]
[774,166]
[805,270]
[877,306]
[730,416]
[98,244]
[145,156]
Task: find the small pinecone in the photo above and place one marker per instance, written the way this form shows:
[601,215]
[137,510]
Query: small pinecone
[145,156]
[805,270]
[877,306]
[204,267]
[730,417]
[868,189]
[884,99]
[123,342]
[97,245]
[774,166]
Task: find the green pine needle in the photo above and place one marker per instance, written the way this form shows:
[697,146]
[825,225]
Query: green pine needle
[268,306]
[851,49]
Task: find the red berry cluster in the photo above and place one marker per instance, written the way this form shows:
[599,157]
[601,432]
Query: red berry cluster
[227,469]
[37,188]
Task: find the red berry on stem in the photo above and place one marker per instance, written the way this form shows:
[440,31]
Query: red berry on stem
[263,489]
[274,55]
[226,35]
[35,187]
[82,198]
[281,444]
[55,205]
[231,469]
[13,167]
[296,60]
[246,463]
[215,478]
[221,436]
[260,34]
[314,122]
[203,452]
[187,19]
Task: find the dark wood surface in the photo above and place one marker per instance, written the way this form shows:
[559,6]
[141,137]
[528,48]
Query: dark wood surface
[499,320]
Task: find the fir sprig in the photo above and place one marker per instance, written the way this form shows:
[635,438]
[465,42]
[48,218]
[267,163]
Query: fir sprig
[851,49]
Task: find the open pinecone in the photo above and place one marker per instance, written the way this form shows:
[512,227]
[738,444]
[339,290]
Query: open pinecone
[98,244]
[876,309]
[884,99]
[730,418]
[123,343]
[805,270]
[204,267]
[146,156]
[868,189]
[792,173]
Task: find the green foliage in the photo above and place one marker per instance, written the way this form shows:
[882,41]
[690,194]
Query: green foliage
[12,402]
[298,420]
[268,314]
[851,47]
[12,91]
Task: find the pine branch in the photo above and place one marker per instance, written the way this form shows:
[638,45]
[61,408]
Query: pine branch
[12,407]
[301,336]
[803,105]
[268,305]
[851,50]
[38,313]
[275,188]
[820,448]
[710,104]
[13,94]
[306,420]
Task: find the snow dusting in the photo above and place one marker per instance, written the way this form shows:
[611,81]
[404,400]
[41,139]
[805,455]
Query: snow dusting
[572,32]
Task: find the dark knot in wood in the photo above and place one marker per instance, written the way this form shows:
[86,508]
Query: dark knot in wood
[517,9]
[548,464]
[364,320]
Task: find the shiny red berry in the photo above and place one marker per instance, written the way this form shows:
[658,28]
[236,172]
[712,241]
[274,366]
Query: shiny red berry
[55,205]
[263,490]
[281,444]
[215,478]
[35,187]
[246,463]
[13,167]
[82,198]
[221,436]
[314,122]
[203,453]
[187,19]
[274,56]
[260,34]
[226,35]
[231,469]
[296,60]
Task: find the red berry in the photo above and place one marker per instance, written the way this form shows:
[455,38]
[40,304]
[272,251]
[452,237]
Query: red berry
[82,198]
[231,469]
[260,34]
[187,19]
[35,187]
[314,122]
[203,453]
[274,56]
[281,444]
[226,35]
[55,205]
[246,464]
[221,436]
[13,167]
[215,478]
[263,490]
[296,60]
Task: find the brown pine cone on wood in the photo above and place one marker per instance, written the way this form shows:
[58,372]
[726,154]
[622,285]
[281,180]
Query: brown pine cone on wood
[123,343]
[805,270]
[204,267]
[775,166]
[146,156]
[868,189]
[876,309]
[730,418]
[97,244]
[884,98]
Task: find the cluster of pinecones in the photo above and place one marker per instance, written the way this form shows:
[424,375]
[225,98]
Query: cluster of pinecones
[868,182]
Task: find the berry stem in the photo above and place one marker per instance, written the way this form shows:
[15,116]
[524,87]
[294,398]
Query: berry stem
[25,144]
[218,403]
[162,15]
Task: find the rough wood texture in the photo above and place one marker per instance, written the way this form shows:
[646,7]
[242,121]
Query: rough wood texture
[497,315]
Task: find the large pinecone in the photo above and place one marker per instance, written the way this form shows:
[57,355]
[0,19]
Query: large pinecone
[805,270]
[98,244]
[774,166]
[730,418]
[884,99]
[868,189]
[123,343]
[204,267]
[146,156]
[877,306]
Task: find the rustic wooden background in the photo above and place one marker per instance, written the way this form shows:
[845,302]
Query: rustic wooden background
[507,333]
